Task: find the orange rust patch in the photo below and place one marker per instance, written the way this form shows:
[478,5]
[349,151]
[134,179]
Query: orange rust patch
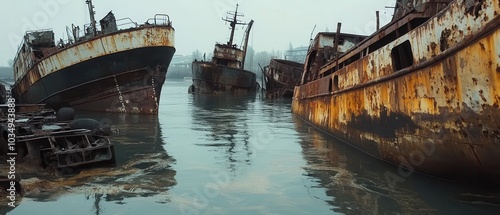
[433,45]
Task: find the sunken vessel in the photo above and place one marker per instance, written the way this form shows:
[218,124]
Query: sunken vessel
[281,77]
[225,73]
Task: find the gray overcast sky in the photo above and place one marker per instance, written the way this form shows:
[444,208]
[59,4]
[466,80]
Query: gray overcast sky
[198,23]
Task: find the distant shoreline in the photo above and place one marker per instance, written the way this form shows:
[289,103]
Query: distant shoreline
[6,73]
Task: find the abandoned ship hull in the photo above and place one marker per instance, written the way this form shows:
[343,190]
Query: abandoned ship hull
[119,72]
[108,83]
[209,78]
[438,116]
[282,76]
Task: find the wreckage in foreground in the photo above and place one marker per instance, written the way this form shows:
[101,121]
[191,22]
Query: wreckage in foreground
[423,92]
[57,140]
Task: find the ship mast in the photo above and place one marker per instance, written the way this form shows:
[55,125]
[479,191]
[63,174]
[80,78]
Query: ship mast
[92,19]
[233,22]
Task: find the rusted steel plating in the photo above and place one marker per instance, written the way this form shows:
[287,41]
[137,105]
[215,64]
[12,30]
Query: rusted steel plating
[422,92]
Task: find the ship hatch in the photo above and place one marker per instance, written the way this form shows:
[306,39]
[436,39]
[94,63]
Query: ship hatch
[402,56]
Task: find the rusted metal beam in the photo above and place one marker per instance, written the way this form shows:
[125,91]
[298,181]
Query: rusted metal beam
[336,46]
[92,17]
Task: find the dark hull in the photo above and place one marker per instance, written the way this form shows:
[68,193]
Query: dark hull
[276,89]
[209,78]
[128,81]
[281,77]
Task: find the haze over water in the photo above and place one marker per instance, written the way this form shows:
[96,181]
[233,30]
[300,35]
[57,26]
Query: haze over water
[222,155]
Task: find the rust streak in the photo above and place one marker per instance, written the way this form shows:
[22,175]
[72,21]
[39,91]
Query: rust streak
[444,39]
[450,95]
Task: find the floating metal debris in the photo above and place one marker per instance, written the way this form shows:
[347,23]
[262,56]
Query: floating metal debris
[58,140]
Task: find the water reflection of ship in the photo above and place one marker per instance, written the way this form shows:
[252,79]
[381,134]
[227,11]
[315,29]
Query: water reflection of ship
[143,166]
[354,183]
[141,133]
[225,119]
[358,184]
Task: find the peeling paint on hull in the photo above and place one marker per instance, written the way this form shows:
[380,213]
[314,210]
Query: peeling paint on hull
[437,116]
[129,92]
[118,72]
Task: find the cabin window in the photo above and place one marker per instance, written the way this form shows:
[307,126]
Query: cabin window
[223,62]
[335,83]
[330,89]
[402,56]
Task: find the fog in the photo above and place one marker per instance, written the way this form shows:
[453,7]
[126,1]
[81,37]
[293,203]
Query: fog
[198,23]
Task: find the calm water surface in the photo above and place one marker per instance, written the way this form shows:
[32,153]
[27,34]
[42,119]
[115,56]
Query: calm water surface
[220,155]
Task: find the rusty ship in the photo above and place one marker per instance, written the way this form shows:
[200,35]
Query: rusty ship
[422,92]
[113,66]
[281,77]
[225,73]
